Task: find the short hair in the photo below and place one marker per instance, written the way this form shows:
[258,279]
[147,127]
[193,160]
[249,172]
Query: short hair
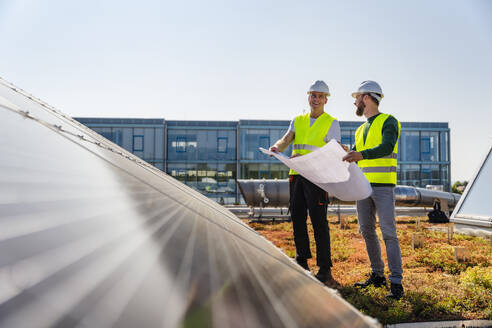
[374,98]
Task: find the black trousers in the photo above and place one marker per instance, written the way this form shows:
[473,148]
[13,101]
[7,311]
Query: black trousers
[304,196]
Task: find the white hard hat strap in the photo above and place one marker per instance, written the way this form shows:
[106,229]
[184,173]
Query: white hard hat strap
[375,95]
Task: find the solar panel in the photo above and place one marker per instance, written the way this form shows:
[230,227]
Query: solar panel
[93,236]
[474,208]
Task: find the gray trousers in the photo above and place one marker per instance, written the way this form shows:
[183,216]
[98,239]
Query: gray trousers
[382,201]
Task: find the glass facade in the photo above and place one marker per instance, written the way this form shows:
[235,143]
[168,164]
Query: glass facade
[423,155]
[185,144]
[203,155]
[142,137]
[259,133]
[208,156]
[409,147]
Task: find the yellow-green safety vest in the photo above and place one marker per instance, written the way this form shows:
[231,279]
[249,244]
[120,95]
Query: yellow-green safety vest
[308,138]
[378,170]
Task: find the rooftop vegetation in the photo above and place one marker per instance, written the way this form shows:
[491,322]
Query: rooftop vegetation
[436,286]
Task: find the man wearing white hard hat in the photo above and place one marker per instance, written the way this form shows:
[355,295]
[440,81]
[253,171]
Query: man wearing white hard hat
[376,152]
[308,132]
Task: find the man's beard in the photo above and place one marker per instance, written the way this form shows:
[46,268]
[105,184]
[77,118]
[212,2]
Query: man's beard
[360,109]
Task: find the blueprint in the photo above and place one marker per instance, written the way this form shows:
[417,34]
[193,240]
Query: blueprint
[325,168]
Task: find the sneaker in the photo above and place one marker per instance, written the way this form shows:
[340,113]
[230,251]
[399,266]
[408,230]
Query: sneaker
[374,279]
[302,263]
[324,275]
[396,291]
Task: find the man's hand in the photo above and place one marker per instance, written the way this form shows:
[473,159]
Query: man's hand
[343,146]
[352,156]
[282,143]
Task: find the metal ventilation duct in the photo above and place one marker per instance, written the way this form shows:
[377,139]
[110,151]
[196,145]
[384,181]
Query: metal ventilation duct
[92,236]
[275,193]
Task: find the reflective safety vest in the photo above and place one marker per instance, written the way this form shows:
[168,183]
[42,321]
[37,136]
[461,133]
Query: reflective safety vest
[308,138]
[378,170]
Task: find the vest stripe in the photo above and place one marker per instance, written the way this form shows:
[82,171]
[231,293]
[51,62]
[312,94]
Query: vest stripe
[393,155]
[381,169]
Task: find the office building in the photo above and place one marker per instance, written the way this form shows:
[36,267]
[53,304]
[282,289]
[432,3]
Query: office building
[210,155]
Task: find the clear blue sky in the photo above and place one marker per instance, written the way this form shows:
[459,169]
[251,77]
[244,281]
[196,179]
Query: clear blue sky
[225,60]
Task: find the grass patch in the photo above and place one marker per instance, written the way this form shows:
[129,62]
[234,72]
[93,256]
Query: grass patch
[436,287]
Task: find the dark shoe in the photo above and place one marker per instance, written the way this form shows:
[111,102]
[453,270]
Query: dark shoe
[324,275]
[396,291]
[374,280]
[303,263]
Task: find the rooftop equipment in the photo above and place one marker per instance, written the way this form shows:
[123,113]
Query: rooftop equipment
[275,193]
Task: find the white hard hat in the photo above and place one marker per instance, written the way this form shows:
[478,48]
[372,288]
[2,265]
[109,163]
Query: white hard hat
[319,86]
[370,87]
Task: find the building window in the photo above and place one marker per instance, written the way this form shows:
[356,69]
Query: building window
[249,171]
[410,175]
[278,171]
[425,145]
[265,142]
[410,146]
[181,175]
[222,144]
[138,143]
[429,146]
[347,138]
[181,144]
[399,149]
[264,171]
[444,146]
[430,175]
[107,135]
[191,176]
[222,178]
[445,177]
[118,137]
